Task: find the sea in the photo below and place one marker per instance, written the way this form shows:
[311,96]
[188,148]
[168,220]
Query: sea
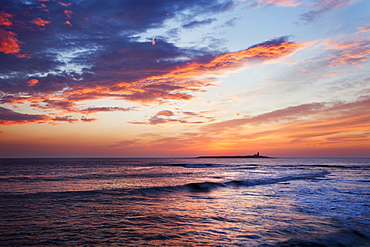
[185,202]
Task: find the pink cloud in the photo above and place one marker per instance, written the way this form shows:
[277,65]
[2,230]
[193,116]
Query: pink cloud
[364,29]
[330,75]
[284,3]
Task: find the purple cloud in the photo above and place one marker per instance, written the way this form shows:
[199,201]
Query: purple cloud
[9,117]
[320,7]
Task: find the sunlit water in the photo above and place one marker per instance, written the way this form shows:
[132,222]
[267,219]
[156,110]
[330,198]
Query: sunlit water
[185,202]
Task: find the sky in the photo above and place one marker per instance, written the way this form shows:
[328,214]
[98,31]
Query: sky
[184,78]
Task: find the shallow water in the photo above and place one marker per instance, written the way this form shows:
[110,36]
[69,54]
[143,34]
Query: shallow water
[179,202]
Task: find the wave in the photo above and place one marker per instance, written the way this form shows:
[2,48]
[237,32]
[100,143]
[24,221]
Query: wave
[345,237]
[208,186]
[200,165]
[196,187]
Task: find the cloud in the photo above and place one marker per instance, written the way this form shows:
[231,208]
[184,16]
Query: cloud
[364,29]
[320,7]
[92,110]
[194,24]
[69,119]
[8,39]
[292,113]
[62,105]
[170,81]
[167,116]
[88,120]
[68,13]
[165,113]
[5,19]
[314,127]
[65,4]
[284,3]
[100,58]
[40,22]
[316,118]
[32,82]
[9,117]
[279,3]
[8,42]
[125,144]
[349,52]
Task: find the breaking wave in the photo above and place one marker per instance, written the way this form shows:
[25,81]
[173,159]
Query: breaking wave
[208,186]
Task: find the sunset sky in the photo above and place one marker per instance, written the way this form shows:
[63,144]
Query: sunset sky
[178,78]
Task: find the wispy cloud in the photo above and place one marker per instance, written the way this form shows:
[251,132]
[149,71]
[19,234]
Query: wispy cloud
[314,127]
[364,29]
[285,3]
[194,24]
[349,52]
[321,7]
[186,118]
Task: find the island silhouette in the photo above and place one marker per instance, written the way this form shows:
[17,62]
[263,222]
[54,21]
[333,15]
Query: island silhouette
[257,155]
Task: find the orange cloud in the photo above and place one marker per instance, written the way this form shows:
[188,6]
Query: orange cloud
[5,19]
[8,41]
[68,23]
[65,4]
[32,82]
[194,75]
[68,13]
[40,22]
[176,84]
[165,113]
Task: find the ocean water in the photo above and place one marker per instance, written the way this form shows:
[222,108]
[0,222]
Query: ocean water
[185,202]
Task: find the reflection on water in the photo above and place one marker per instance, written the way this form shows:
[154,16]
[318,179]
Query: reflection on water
[184,202]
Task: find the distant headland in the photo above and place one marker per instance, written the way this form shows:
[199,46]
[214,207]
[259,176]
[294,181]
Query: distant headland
[257,155]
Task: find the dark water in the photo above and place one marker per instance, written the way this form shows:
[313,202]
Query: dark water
[184,202]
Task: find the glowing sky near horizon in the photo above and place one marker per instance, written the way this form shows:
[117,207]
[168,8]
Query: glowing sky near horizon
[158,78]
